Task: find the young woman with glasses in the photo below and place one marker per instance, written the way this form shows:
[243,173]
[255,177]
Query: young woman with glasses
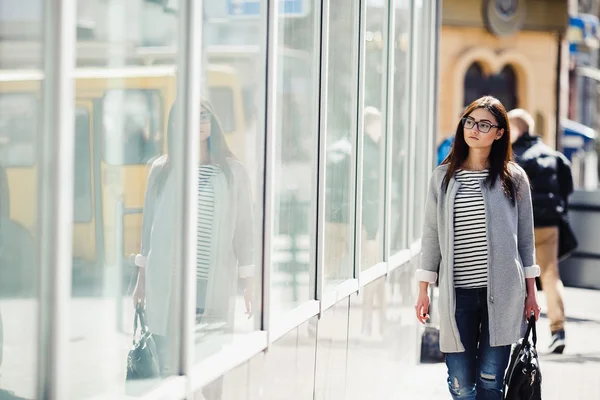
[478,244]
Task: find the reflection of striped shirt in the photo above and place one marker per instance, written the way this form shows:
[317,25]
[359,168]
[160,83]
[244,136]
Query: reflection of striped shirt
[470,236]
[206,205]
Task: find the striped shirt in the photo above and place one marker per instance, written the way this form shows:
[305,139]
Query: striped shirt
[470,236]
[206,204]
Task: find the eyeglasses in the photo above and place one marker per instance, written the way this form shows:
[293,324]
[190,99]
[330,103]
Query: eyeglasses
[205,116]
[482,126]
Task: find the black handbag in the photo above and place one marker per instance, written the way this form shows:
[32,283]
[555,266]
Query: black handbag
[523,375]
[142,360]
[567,242]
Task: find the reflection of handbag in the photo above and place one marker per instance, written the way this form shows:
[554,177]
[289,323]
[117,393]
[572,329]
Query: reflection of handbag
[430,339]
[567,241]
[523,376]
[142,361]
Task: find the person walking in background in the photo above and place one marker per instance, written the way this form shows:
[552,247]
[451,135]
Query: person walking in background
[478,238]
[550,174]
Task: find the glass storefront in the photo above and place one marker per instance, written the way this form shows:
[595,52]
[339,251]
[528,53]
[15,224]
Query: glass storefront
[234,172]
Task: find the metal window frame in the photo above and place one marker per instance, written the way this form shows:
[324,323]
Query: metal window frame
[359,141]
[407,140]
[271,72]
[322,114]
[383,141]
[186,172]
[412,121]
[55,197]
[354,131]
[428,82]
[389,129]
[430,77]
[436,22]
[316,275]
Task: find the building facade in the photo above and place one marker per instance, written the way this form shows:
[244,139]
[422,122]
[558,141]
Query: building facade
[514,50]
[276,211]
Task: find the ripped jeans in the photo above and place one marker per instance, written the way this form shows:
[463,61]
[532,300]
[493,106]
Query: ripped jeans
[478,372]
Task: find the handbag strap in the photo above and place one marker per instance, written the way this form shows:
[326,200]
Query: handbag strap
[139,315]
[531,329]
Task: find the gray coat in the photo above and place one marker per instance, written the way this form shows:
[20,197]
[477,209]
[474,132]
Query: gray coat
[232,250]
[511,256]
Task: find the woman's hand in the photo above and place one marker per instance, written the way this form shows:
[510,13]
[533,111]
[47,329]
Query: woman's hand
[532,306]
[422,306]
[531,303]
[139,296]
[139,293]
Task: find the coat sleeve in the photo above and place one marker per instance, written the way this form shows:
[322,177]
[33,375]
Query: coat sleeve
[525,234]
[244,235]
[431,255]
[565,177]
[148,214]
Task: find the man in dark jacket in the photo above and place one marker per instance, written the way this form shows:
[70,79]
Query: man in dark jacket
[551,182]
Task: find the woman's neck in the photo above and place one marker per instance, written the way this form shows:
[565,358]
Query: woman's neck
[477,159]
[204,153]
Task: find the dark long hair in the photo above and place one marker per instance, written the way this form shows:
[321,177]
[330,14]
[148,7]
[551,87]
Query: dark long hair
[217,144]
[500,154]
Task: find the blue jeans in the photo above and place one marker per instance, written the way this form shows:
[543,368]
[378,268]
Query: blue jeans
[478,372]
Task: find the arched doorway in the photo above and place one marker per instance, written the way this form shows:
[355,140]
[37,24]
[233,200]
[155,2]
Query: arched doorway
[502,85]
[474,84]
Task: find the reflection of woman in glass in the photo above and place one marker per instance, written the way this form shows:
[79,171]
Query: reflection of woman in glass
[225,235]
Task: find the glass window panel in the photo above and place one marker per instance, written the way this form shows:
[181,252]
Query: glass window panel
[82,191]
[131,126]
[287,370]
[229,281]
[341,128]
[18,127]
[20,124]
[399,115]
[122,108]
[366,324]
[330,376]
[375,92]
[295,142]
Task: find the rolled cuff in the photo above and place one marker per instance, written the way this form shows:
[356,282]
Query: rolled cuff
[246,271]
[426,276]
[532,271]
[140,261]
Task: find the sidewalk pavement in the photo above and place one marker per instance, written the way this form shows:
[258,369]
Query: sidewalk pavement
[572,375]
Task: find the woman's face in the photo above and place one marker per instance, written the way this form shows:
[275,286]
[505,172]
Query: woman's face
[205,125]
[481,129]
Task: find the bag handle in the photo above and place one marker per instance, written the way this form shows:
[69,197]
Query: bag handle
[139,314]
[531,329]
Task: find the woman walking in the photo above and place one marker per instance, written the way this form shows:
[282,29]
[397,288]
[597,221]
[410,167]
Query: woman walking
[478,239]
